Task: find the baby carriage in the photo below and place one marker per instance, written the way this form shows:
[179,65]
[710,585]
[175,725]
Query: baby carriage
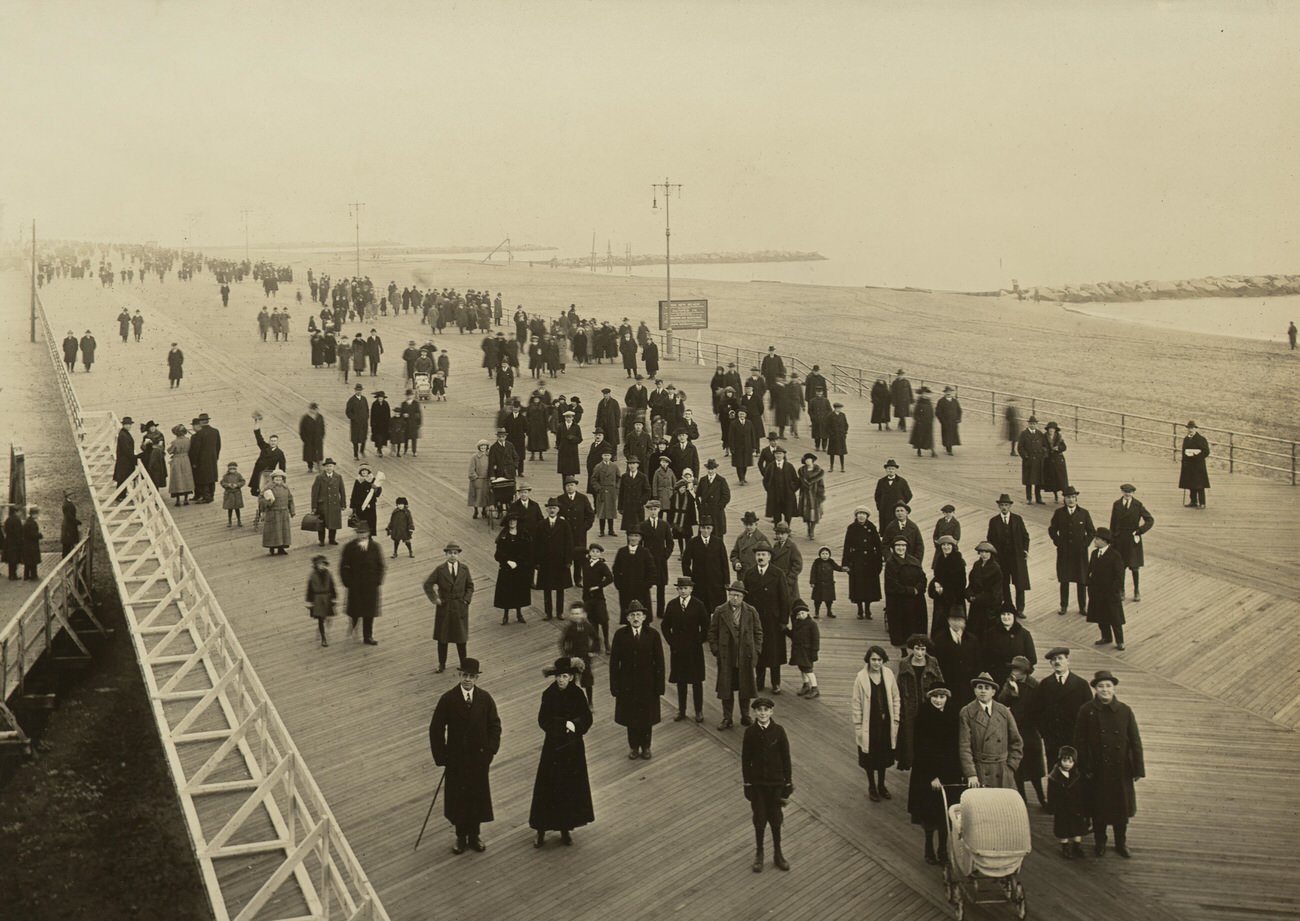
[503,493]
[988,838]
[423,385]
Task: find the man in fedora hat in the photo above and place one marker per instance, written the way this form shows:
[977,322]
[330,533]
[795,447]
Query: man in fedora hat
[1060,695]
[451,589]
[948,412]
[1033,448]
[922,437]
[686,630]
[890,489]
[552,549]
[1106,589]
[989,745]
[634,572]
[328,500]
[1129,520]
[502,459]
[1110,759]
[900,394]
[898,524]
[736,641]
[1192,474]
[781,481]
[768,592]
[361,569]
[636,679]
[358,412]
[205,456]
[124,459]
[1009,536]
[579,514]
[713,495]
[657,538]
[567,438]
[464,737]
[704,560]
[1071,530]
[747,541]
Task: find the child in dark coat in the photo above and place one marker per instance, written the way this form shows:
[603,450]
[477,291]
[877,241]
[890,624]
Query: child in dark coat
[1068,800]
[595,576]
[232,493]
[438,386]
[321,595]
[580,640]
[822,579]
[401,526]
[805,642]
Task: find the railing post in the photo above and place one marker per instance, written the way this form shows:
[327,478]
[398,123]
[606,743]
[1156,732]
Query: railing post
[1076,420]
[1174,427]
[45,605]
[1033,407]
[993,406]
[1122,421]
[1293,463]
[859,382]
[1232,454]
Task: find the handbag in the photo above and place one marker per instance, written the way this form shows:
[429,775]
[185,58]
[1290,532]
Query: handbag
[352,520]
[310,522]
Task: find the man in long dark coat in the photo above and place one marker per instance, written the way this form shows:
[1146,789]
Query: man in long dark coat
[1033,448]
[358,412]
[948,412]
[124,460]
[657,538]
[1060,695]
[713,495]
[704,560]
[311,429]
[502,459]
[1192,474]
[451,589]
[768,592]
[781,481]
[1106,589]
[1129,520]
[464,737]
[686,630]
[87,351]
[736,641]
[579,514]
[609,417]
[1110,760]
[636,679]
[1009,536]
[205,455]
[889,489]
[900,394]
[269,457]
[552,553]
[1072,530]
[361,570]
[328,500]
[922,437]
[70,352]
[634,573]
[772,368]
[567,438]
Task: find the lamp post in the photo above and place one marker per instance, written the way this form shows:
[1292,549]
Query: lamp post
[356,207]
[668,188]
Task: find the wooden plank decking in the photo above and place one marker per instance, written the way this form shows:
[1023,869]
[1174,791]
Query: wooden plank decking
[1210,668]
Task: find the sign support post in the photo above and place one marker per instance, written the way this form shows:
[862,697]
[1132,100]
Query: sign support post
[668,188]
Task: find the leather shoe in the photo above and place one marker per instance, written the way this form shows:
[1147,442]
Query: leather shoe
[477,844]
[780,862]
[633,754]
[1119,647]
[679,717]
[459,846]
[440,669]
[725,724]
[645,754]
[1122,850]
[1099,849]
[540,839]
[873,795]
[745,721]
[699,717]
[566,838]
[1101,642]
[372,642]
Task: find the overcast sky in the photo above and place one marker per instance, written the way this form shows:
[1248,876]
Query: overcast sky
[954,144]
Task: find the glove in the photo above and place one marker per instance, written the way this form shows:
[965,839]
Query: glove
[750,792]
[787,791]
[569,727]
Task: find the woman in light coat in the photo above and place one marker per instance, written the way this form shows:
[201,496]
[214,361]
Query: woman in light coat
[277,515]
[181,473]
[876,711]
[480,492]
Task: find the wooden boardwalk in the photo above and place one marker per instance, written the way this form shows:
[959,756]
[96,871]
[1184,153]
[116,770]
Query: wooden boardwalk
[1210,666]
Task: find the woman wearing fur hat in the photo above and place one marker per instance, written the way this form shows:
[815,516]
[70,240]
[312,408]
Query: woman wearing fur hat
[562,790]
[276,504]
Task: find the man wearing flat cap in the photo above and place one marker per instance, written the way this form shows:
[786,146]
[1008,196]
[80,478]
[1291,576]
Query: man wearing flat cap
[464,737]
[1110,760]
[989,745]
[736,641]
[1129,520]
[1071,530]
[451,589]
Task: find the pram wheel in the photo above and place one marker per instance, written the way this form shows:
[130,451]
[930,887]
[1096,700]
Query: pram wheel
[958,909]
[1022,904]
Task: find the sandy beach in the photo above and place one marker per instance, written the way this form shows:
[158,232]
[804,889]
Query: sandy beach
[1258,318]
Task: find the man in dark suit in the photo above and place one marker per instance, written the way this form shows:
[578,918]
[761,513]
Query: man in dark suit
[713,496]
[767,590]
[1033,450]
[1129,520]
[657,538]
[361,570]
[552,552]
[1007,533]
[1106,589]
[567,438]
[1071,531]
[1060,695]
[464,736]
[685,624]
[124,459]
[890,489]
[577,511]
[705,561]
[636,679]
[959,655]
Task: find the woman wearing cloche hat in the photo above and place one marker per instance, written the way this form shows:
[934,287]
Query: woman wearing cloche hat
[561,789]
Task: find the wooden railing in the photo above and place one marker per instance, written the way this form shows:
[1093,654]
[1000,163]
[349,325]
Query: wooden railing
[267,844]
[1233,451]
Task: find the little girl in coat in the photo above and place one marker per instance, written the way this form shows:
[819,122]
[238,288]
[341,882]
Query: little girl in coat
[1067,798]
[232,494]
[321,595]
[805,643]
[401,526]
[822,579]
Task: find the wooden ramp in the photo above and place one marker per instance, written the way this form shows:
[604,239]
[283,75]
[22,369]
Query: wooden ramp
[1210,667]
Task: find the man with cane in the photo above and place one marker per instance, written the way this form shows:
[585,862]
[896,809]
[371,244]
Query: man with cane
[464,736]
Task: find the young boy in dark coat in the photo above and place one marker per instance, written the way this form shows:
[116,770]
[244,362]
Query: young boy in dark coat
[765,767]
[805,643]
[595,576]
[401,526]
[822,579]
[1067,797]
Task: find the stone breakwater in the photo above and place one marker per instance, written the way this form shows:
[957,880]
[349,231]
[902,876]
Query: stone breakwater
[1129,291]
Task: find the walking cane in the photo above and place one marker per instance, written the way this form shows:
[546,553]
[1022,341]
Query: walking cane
[436,791]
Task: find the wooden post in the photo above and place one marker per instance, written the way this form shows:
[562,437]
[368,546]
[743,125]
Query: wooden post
[1293,463]
[1076,420]
[1174,427]
[1122,420]
[1232,454]
[45,609]
[993,406]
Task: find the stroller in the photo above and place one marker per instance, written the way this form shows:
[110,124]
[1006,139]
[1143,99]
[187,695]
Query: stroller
[423,385]
[503,493]
[988,838]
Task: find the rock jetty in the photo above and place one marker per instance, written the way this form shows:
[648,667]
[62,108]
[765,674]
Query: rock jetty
[1128,291]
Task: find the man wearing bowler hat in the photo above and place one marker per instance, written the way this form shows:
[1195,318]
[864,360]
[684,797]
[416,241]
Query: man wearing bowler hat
[1071,530]
[1129,520]
[1060,695]
[1008,534]
[552,548]
[464,736]
[890,490]
[747,542]
[451,589]
[989,745]
[205,455]
[1110,760]
[705,561]
[685,624]
[636,679]
[1106,590]
[358,412]
[736,641]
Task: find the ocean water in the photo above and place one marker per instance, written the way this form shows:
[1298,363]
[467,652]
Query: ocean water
[1260,318]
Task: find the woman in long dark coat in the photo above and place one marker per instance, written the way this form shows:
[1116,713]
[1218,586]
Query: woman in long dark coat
[880,404]
[364,502]
[984,590]
[905,584]
[562,790]
[1110,759]
[1056,476]
[863,557]
[1019,693]
[934,759]
[1193,475]
[1001,645]
[922,437]
[538,428]
[514,582]
[948,585]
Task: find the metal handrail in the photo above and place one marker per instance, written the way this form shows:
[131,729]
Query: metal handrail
[1129,430]
[195,670]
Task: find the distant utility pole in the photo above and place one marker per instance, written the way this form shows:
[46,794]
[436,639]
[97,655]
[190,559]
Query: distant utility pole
[609,255]
[34,280]
[668,188]
[356,207]
[246,212]
[593,250]
[629,260]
